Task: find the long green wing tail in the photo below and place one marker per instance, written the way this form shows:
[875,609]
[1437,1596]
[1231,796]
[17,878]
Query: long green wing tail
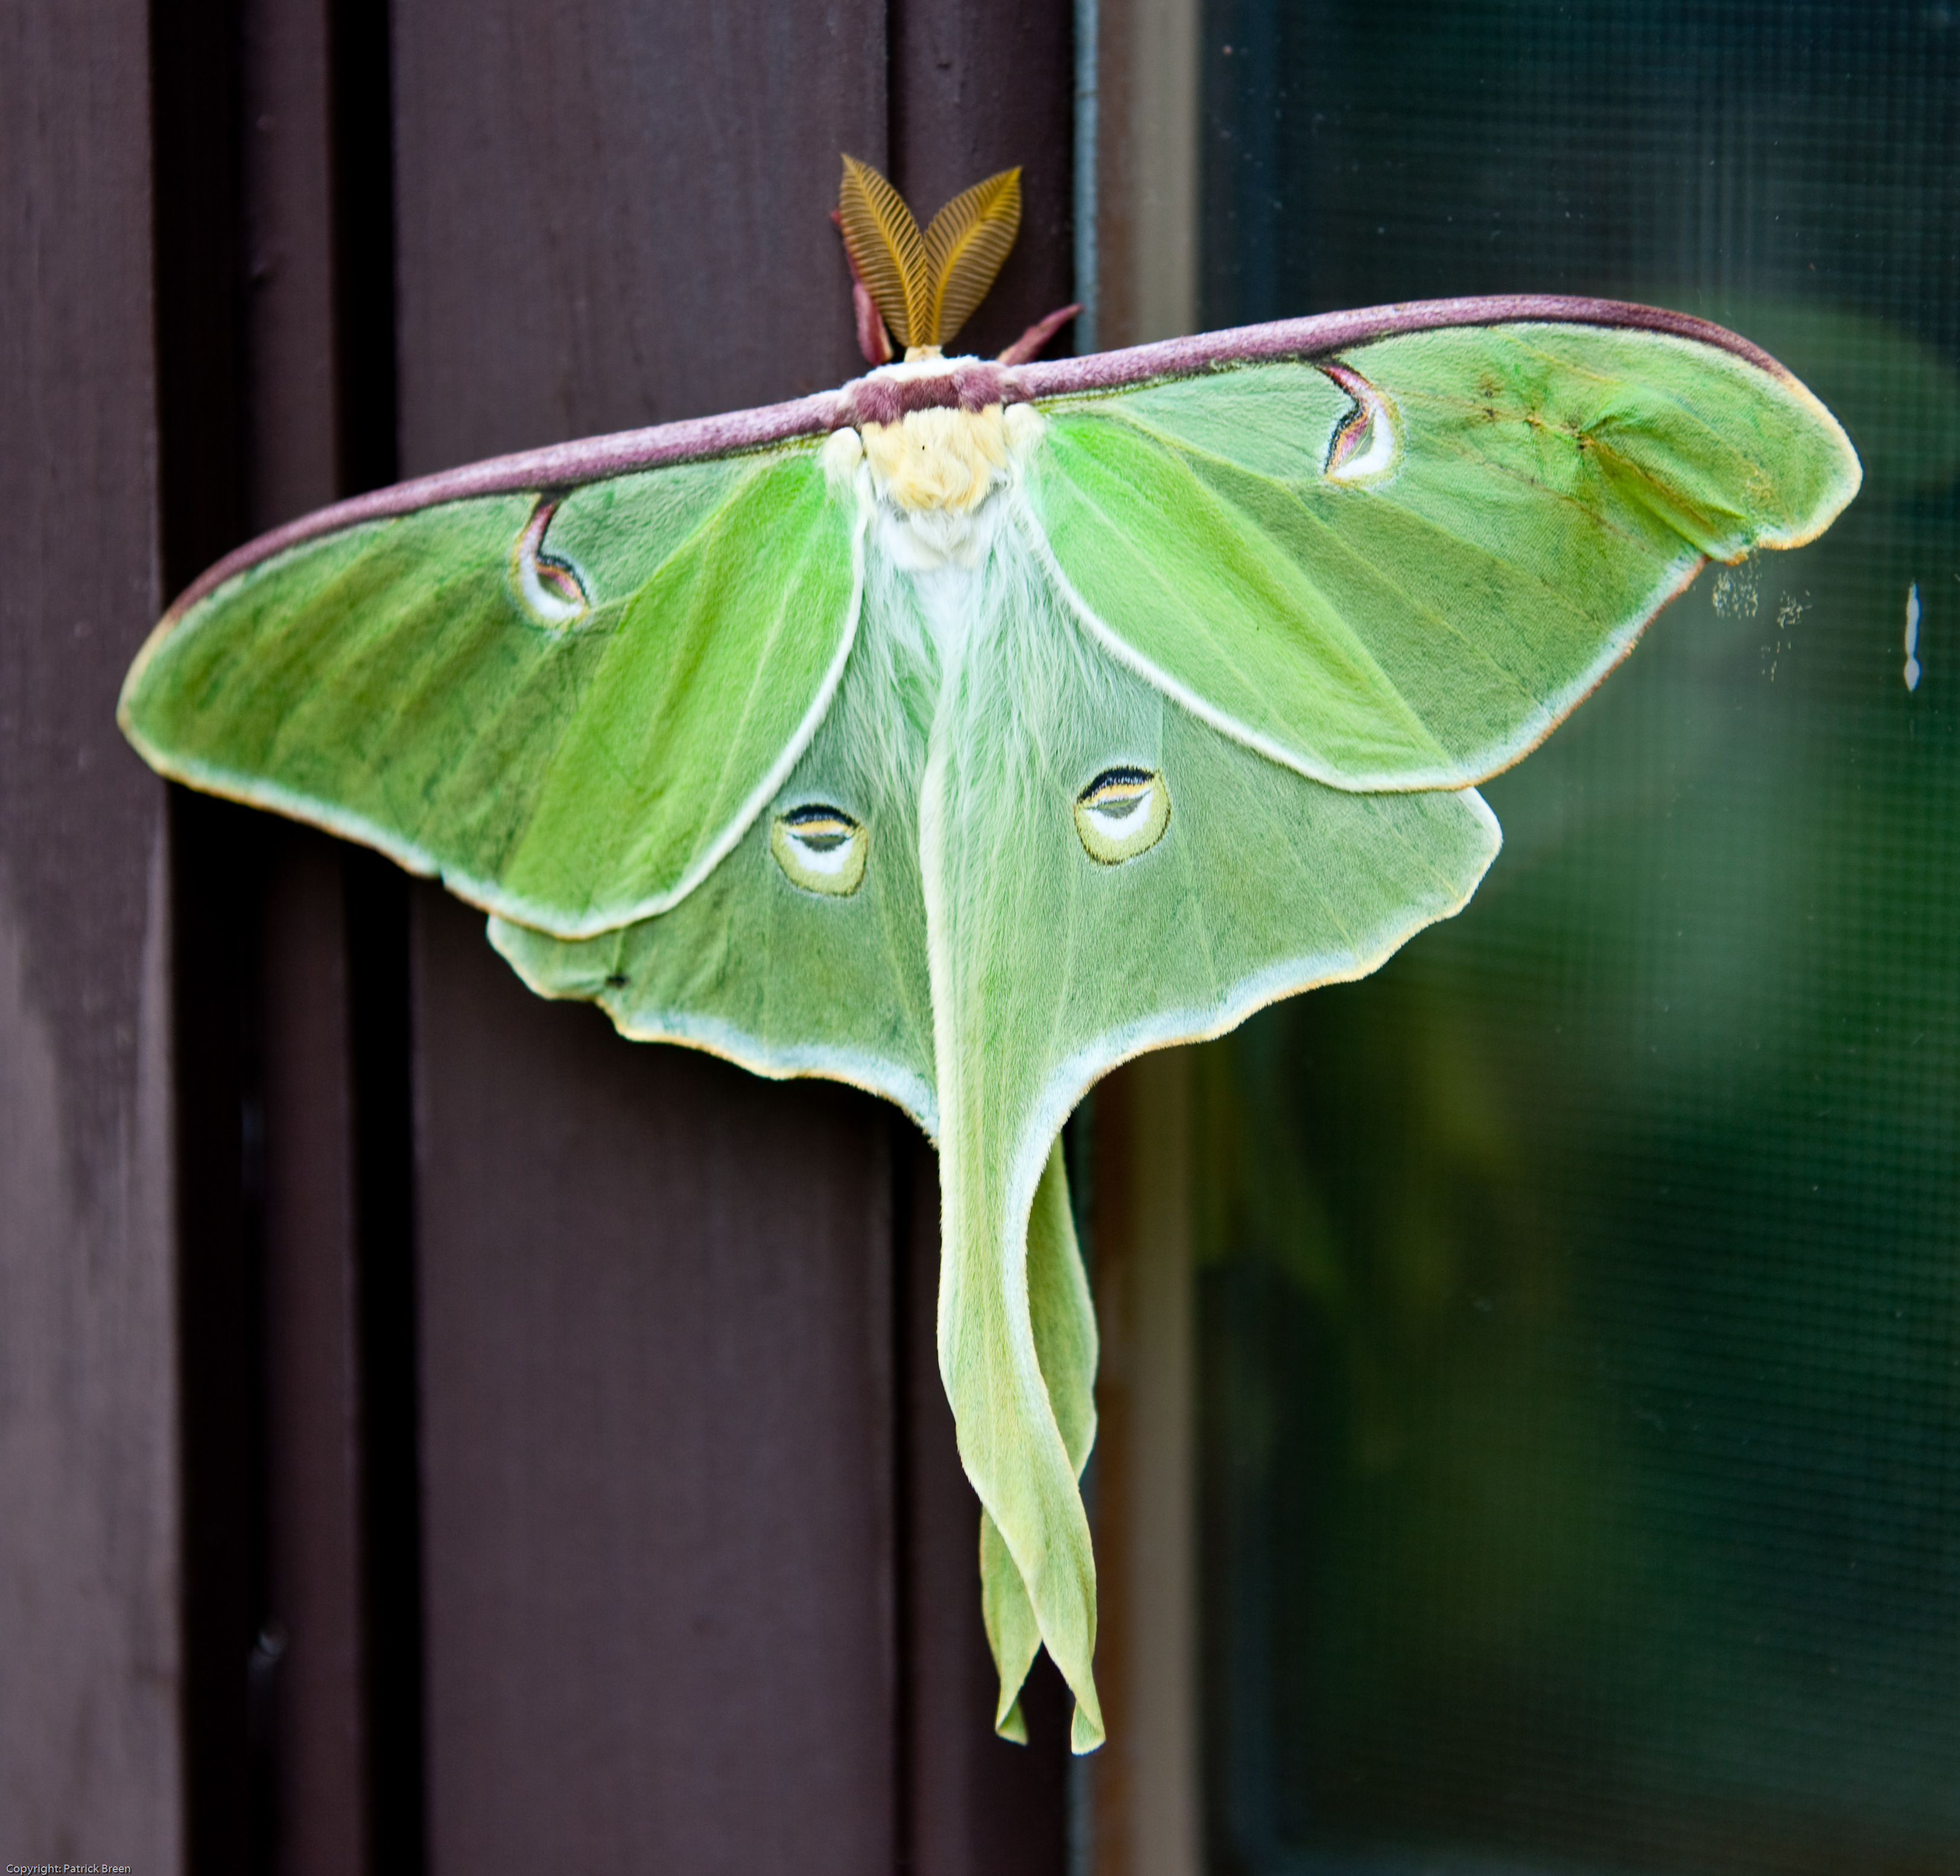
[1064,1322]
[1058,946]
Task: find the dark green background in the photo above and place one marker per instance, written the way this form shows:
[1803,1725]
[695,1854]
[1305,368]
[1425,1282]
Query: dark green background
[1580,1297]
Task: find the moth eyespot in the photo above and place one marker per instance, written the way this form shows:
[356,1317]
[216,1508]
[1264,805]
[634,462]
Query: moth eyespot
[1367,443]
[821,849]
[1122,813]
[549,587]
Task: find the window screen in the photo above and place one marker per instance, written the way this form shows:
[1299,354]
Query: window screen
[1580,1297]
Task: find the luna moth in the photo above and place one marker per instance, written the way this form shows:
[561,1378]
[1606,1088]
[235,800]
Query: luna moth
[964,731]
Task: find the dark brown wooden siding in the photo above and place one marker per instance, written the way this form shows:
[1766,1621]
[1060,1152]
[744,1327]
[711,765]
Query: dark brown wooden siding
[437,1433]
[91,1749]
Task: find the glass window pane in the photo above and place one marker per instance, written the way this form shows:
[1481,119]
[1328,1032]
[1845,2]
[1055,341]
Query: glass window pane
[1580,1298]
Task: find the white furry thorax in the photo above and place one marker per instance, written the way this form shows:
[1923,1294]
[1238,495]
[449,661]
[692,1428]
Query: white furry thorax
[934,478]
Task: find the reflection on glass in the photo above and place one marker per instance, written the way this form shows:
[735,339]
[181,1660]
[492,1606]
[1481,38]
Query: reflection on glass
[1580,1298]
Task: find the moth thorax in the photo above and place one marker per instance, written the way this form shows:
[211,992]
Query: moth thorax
[947,461]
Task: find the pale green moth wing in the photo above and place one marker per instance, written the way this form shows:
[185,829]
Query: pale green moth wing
[1105,873]
[1400,568]
[568,707]
[784,968]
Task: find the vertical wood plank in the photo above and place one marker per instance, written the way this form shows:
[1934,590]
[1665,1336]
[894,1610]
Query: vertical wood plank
[291,393]
[655,1292]
[314,1480]
[316,1737]
[611,215]
[375,898]
[90,1751]
[657,1406]
[216,859]
[298,1287]
[979,86]
[1147,1804]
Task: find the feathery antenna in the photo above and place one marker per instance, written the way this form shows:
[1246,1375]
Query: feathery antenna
[926,286]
